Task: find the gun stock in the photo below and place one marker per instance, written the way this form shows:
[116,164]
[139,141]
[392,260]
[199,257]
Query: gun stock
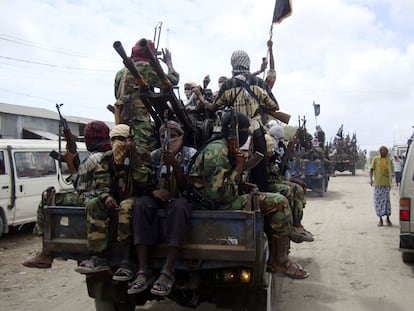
[233,137]
[129,64]
[281,116]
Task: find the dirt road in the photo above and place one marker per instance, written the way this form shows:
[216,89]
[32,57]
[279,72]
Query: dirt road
[354,264]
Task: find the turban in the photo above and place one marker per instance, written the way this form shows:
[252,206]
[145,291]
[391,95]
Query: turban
[120,130]
[174,126]
[277,131]
[240,61]
[96,129]
[97,136]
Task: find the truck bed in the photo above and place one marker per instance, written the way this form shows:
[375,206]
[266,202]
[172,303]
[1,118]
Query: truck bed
[214,235]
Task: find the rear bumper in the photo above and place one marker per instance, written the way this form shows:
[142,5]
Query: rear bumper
[407,241]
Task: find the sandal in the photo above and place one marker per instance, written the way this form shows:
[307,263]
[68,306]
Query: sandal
[93,265]
[290,269]
[389,223]
[163,286]
[124,273]
[141,282]
[299,234]
[41,261]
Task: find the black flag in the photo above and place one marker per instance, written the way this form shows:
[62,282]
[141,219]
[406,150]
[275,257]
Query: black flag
[317,109]
[283,9]
[339,134]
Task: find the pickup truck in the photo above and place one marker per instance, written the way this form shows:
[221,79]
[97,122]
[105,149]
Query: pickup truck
[223,262]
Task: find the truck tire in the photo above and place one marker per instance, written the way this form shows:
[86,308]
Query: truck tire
[101,305]
[268,301]
[1,226]
[407,257]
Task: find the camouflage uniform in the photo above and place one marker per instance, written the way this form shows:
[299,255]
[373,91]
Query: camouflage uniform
[124,184]
[133,111]
[84,185]
[233,93]
[212,174]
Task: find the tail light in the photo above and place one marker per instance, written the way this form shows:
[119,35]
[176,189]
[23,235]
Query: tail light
[405,209]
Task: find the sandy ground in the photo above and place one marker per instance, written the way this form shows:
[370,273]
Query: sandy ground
[354,264]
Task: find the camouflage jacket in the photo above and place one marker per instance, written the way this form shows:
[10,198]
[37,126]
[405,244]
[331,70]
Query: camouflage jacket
[120,181]
[212,174]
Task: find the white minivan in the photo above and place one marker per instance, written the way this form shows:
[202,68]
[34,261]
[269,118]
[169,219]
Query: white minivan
[407,208]
[26,170]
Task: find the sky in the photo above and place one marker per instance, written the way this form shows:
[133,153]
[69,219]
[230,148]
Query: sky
[355,58]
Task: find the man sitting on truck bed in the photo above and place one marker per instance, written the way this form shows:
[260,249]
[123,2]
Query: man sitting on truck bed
[96,135]
[120,177]
[292,189]
[170,162]
[216,174]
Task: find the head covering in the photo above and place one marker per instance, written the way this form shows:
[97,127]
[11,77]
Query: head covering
[222,79]
[240,61]
[120,130]
[243,122]
[96,135]
[173,126]
[138,53]
[277,131]
[119,147]
[176,136]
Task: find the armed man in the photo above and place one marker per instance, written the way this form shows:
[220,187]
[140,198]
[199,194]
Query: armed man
[249,95]
[129,108]
[217,175]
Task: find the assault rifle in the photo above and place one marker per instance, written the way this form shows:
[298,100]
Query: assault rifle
[165,169]
[70,140]
[233,140]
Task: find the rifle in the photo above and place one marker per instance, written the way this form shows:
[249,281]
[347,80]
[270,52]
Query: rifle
[70,140]
[233,140]
[233,137]
[289,150]
[165,170]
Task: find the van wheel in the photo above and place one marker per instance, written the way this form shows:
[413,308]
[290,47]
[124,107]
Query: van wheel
[101,305]
[1,226]
[407,257]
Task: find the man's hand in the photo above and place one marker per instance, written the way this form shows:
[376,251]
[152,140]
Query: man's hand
[240,161]
[110,204]
[162,195]
[166,57]
[167,157]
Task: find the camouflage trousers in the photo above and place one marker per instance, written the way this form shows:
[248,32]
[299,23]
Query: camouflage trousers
[98,217]
[295,195]
[143,134]
[274,206]
[69,198]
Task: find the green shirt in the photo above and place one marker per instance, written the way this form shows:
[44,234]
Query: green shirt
[382,178]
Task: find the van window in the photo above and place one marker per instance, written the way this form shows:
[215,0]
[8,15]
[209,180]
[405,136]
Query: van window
[34,164]
[2,170]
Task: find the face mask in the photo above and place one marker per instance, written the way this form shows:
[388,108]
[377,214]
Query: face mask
[119,151]
[243,136]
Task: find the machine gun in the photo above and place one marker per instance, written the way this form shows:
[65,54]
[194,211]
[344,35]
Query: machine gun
[70,140]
